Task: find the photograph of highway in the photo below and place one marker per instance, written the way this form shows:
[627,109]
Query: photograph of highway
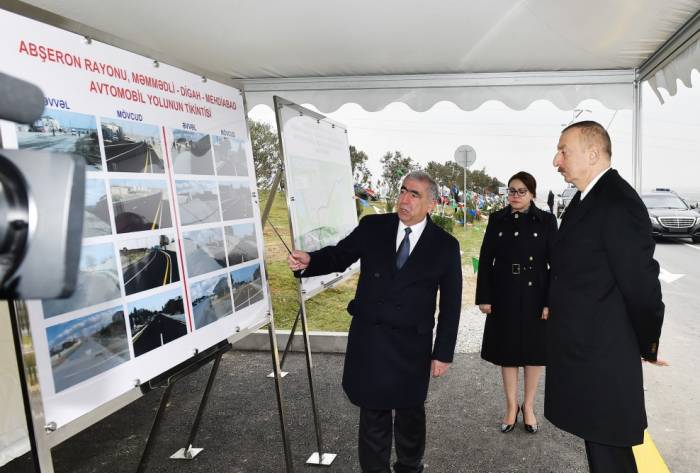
[204,251]
[247,286]
[85,347]
[241,243]
[211,300]
[97,281]
[156,320]
[236,201]
[59,131]
[229,156]
[191,152]
[140,204]
[96,217]
[148,262]
[132,146]
[198,202]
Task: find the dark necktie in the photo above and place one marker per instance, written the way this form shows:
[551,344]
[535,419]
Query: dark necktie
[404,250]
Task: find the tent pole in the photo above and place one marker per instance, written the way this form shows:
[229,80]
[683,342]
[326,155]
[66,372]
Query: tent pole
[637,134]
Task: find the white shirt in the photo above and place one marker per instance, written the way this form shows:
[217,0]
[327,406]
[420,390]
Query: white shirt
[416,232]
[593,183]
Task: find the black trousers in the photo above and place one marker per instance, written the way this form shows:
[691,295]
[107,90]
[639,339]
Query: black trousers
[610,459]
[375,435]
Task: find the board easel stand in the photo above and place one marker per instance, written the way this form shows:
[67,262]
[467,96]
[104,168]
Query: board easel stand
[43,437]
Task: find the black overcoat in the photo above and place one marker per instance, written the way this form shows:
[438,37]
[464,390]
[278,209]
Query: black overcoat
[605,313]
[514,278]
[390,343]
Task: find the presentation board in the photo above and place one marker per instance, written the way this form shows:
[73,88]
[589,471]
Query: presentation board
[320,193]
[172,251]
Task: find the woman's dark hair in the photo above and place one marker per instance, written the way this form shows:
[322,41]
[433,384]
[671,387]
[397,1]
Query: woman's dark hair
[527,179]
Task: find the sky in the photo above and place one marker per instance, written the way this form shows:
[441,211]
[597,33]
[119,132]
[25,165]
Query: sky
[507,141]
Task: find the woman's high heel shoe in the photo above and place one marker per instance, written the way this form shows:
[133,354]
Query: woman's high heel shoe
[529,428]
[505,428]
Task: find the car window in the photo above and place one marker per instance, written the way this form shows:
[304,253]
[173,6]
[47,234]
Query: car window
[669,201]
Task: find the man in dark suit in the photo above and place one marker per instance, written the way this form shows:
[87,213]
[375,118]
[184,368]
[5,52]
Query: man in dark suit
[605,305]
[405,258]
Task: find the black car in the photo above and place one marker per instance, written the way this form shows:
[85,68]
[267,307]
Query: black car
[671,216]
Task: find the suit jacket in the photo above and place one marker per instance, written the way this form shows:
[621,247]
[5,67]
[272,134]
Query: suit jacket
[605,313]
[390,343]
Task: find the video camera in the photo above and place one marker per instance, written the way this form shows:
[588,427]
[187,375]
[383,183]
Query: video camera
[42,197]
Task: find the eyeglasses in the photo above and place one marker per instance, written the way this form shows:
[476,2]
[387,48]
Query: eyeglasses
[520,192]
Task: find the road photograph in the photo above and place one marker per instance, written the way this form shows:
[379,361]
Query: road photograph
[96,217]
[97,281]
[59,131]
[156,320]
[247,286]
[235,200]
[229,156]
[198,202]
[140,204]
[191,152]
[204,251]
[132,146]
[148,262]
[87,346]
[211,300]
[240,243]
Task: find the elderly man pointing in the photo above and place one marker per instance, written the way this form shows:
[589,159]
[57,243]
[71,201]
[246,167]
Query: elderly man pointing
[405,260]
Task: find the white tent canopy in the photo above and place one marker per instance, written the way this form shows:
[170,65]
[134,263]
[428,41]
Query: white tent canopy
[374,53]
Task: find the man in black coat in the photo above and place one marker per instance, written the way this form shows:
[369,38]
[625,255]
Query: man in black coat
[605,305]
[550,201]
[405,259]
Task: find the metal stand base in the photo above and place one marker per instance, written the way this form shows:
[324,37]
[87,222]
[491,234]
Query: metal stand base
[325,460]
[186,453]
[282,374]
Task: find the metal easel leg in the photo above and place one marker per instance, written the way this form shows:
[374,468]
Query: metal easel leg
[188,452]
[287,347]
[154,428]
[278,392]
[319,457]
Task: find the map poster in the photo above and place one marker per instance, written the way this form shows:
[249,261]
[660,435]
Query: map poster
[319,182]
[172,248]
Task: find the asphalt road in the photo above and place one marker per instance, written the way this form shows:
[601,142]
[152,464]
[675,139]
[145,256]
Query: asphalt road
[60,143]
[159,331]
[156,268]
[133,157]
[93,287]
[673,392]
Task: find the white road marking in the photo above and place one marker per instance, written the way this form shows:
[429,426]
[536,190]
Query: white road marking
[669,277]
[692,246]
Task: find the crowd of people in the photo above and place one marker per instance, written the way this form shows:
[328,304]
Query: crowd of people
[583,303]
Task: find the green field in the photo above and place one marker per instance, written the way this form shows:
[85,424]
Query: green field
[326,311]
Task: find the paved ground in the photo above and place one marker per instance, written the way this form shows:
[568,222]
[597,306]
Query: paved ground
[240,429]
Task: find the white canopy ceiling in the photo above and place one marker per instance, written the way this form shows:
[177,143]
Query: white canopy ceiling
[376,52]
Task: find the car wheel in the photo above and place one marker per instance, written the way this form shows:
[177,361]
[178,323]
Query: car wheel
[696,239]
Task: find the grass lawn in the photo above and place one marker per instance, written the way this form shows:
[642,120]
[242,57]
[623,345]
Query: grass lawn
[326,311]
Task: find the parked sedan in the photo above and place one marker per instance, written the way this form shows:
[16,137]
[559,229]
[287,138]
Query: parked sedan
[671,217]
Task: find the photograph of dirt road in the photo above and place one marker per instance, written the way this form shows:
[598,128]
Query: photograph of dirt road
[156,320]
[85,347]
[148,262]
[191,152]
[204,251]
[241,243]
[60,131]
[211,300]
[229,156]
[97,281]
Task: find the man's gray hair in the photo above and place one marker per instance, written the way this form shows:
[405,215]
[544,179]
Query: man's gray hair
[425,177]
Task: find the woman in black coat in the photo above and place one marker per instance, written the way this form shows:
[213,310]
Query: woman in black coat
[511,289]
